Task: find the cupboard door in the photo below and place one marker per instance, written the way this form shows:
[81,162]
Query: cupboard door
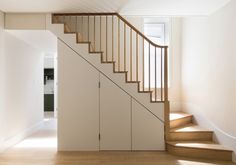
[115,117]
[78,103]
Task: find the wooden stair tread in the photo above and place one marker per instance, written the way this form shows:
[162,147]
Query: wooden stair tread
[108,62]
[95,52]
[120,71]
[145,91]
[133,81]
[83,42]
[190,128]
[200,145]
[178,115]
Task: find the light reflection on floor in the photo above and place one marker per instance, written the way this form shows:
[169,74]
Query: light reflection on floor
[37,143]
[45,138]
[188,162]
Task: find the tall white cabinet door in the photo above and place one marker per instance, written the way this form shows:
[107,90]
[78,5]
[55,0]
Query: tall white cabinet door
[78,103]
[115,117]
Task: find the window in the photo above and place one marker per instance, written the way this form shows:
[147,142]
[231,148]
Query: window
[156,31]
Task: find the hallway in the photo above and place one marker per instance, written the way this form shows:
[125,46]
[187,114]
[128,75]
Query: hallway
[41,149]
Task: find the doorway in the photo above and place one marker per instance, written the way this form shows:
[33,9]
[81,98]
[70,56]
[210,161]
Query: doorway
[49,86]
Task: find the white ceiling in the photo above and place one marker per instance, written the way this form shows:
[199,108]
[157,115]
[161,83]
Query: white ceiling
[172,7]
[125,7]
[61,5]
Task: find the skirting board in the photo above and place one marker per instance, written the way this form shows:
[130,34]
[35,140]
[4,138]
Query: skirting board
[20,136]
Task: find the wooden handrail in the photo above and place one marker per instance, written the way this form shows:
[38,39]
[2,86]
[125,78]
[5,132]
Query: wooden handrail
[140,33]
[80,14]
[119,16]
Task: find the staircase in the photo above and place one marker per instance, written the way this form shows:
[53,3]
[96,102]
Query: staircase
[133,64]
[190,140]
[143,63]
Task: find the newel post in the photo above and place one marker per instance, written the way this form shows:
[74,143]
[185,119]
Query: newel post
[166,100]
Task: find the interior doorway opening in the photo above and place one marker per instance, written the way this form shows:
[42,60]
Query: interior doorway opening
[49,86]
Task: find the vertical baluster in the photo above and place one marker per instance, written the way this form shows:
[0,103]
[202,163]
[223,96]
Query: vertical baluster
[82,29]
[94,32]
[106,40]
[112,38]
[76,24]
[131,54]
[166,102]
[155,74]
[124,46]
[161,74]
[76,29]
[118,44]
[100,36]
[149,65]
[166,75]
[69,24]
[88,30]
[64,23]
[143,66]
[136,56]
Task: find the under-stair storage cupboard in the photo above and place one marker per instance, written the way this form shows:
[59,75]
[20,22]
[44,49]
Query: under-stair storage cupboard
[96,113]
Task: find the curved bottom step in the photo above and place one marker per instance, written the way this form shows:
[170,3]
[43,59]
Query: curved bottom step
[205,150]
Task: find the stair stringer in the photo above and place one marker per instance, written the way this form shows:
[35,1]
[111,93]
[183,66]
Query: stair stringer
[94,59]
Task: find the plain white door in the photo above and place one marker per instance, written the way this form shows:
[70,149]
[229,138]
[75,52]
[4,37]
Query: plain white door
[115,117]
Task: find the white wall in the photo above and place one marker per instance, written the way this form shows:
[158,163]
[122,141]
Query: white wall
[1,77]
[23,90]
[209,72]
[175,64]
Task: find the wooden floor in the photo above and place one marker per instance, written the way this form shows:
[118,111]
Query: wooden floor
[40,149]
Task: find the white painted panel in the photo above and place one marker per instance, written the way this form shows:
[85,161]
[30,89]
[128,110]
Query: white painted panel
[147,130]
[78,102]
[2,77]
[115,117]
[26,21]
